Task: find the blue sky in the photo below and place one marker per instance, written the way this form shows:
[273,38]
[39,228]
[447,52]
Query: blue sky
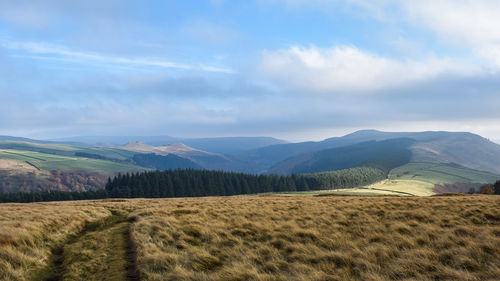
[293,69]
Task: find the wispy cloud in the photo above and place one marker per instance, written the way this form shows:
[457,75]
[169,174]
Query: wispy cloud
[349,69]
[467,23]
[56,52]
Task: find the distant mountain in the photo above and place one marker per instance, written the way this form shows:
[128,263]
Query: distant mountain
[178,148]
[137,146]
[160,162]
[268,156]
[10,138]
[466,149]
[206,160]
[264,155]
[231,145]
[118,140]
[384,155]
[37,141]
[222,145]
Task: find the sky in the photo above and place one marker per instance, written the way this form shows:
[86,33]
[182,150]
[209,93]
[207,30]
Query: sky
[291,69]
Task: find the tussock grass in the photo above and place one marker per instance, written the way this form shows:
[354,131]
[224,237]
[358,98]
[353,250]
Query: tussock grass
[260,238]
[99,254]
[320,238]
[28,232]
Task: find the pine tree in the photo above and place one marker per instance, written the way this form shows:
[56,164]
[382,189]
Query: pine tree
[497,187]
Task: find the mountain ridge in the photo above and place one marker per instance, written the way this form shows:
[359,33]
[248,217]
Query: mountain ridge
[221,145]
[464,148]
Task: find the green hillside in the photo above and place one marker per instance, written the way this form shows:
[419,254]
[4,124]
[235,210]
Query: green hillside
[23,170]
[436,173]
[69,150]
[412,187]
[384,155]
[44,161]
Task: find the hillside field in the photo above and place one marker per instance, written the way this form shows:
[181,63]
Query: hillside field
[420,179]
[44,161]
[68,150]
[22,170]
[413,187]
[253,238]
[436,173]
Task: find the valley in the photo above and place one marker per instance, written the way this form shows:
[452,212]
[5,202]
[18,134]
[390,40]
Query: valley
[452,162]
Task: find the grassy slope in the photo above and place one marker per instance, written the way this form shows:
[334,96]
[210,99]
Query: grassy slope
[419,178]
[28,166]
[319,238]
[384,155]
[68,150]
[418,188]
[440,173]
[260,238]
[343,191]
[96,253]
[22,170]
[44,161]
[28,232]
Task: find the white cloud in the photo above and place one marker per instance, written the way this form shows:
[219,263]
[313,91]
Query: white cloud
[82,57]
[470,23]
[473,22]
[348,69]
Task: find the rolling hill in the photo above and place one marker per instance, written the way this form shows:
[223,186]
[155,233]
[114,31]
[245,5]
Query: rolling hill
[27,166]
[200,158]
[23,170]
[220,145]
[466,149]
[446,158]
[167,162]
[436,173]
[384,155]
[429,162]
[441,177]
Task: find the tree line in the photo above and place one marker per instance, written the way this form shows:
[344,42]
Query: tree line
[195,183]
[489,189]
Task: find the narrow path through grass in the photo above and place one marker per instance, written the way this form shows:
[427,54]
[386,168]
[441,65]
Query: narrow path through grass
[103,250]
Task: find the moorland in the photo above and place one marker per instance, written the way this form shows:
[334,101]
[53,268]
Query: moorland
[253,238]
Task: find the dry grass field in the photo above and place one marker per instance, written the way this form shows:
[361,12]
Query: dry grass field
[254,238]
[28,232]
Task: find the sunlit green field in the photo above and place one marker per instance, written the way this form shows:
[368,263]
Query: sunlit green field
[414,187]
[43,161]
[440,173]
[68,150]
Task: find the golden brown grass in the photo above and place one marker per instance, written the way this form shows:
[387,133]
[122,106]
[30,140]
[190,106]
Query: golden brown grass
[28,232]
[320,238]
[265,238]
[97,254]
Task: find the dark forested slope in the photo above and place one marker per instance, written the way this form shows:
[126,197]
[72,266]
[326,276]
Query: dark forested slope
[384,155]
